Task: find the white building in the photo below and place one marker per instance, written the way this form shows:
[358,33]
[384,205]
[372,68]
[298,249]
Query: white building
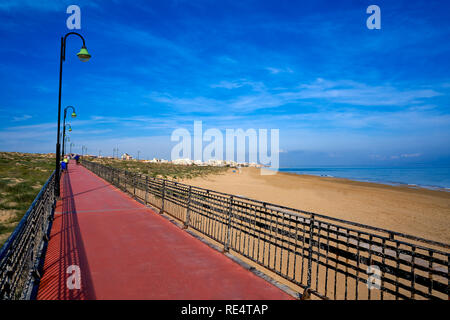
[126,156]
[216,163]
[185,162]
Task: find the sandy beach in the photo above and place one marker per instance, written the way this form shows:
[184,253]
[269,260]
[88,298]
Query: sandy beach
[420,212]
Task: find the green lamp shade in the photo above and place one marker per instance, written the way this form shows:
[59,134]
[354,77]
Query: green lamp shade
[74,115]
[70,129]
[84,54]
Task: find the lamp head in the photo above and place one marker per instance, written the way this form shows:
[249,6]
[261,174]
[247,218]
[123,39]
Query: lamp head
[74,115]
[84,55]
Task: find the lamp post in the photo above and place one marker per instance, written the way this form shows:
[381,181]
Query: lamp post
[64,135]
[71,145]
[66,139]
[74,115]
[84,56]
[138,155]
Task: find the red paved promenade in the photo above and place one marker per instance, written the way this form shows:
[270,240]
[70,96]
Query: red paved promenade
[127,251]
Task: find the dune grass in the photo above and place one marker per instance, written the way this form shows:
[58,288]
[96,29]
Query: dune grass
[161,170]
[22,176]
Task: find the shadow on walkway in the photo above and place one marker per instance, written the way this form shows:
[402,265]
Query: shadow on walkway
[66,249]
[87,191]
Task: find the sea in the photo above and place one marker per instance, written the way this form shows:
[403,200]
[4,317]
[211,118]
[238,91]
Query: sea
[436,178]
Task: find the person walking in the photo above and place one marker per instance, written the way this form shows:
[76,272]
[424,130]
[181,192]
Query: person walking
[63,166]
[77,159]
[67,163]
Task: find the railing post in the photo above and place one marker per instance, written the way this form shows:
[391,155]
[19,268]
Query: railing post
[134,184]
[311,234]
[188,209]
[146,188]
[163,196]
[226,247]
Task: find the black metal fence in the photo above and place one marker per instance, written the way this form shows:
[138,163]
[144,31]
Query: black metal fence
[330,258]
[20,256]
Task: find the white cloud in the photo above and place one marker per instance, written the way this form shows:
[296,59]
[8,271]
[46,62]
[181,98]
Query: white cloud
[340,92]
[227,85]
[354,93]
[22,118]
[410,155]
[255,85]
[279,70]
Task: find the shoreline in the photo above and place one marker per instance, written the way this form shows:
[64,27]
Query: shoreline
[368,180]
[411,210]
[381,183]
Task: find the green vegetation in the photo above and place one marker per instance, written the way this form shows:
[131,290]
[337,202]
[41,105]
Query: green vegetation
[22,176]
[161,170]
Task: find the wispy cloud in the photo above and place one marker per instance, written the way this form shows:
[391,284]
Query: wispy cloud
[338,92]
[355,93]
[145,38]
[22,118]
[279,70]
[254,85]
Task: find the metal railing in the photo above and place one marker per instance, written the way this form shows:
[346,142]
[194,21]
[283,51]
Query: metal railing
[20,256]
[327,257]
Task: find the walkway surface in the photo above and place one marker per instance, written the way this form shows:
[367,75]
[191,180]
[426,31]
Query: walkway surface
[124,250]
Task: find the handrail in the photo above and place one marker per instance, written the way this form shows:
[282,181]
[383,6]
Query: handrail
[21,254]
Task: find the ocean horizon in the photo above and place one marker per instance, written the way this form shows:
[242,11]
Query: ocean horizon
[435,178]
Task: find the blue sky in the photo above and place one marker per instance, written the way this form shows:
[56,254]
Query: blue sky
[339,93]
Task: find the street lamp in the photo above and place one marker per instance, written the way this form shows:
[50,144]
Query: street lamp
[66,139]
[64,132]
[71,145]
[84,56]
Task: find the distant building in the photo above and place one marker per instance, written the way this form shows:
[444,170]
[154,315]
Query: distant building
[186,162]
[216,163]
[256,165]
[199,163]
[210,162]
[126,156]
[231,163]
